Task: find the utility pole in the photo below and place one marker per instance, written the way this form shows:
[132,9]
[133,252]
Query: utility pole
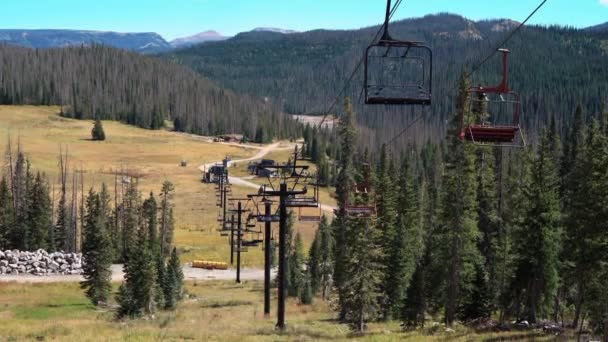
[267,256]
[239,235]
[284,193]
[232,240]
[267,218]
[238,243]
[282,256]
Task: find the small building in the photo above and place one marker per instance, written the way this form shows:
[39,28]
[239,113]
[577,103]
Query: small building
[214,173]
[262,164]
[264,172]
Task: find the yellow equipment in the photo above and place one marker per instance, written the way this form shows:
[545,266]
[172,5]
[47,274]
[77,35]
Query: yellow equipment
[210,265]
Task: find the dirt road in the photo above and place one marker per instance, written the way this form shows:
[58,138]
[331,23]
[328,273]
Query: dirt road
[117,275]
[261,153]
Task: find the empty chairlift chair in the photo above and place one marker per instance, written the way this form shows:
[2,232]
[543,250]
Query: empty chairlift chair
[490,115]
[363,206]
[397,72]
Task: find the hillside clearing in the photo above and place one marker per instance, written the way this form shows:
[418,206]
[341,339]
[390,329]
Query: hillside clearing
[155,154]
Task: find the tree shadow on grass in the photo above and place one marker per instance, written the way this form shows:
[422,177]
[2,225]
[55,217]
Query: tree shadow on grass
[225,304]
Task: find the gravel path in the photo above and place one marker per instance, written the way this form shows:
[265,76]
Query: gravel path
[245,183]
[117,275]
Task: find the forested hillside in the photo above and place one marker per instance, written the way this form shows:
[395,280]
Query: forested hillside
[476,234]
[554,69]
[108,83]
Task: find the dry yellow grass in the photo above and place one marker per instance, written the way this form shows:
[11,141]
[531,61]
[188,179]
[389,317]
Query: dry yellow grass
[156,154]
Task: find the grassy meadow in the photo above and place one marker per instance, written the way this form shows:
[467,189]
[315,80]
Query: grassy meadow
[213,310]
[156,155]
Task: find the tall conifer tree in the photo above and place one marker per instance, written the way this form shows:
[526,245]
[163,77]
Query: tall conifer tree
[536,275]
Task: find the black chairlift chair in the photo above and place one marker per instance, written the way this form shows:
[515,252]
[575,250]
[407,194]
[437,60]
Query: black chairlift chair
[310,215]
[397,72]
[251,243]
[490,115]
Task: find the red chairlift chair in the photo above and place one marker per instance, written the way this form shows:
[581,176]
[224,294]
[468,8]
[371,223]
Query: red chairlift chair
[488,105]
[359,189]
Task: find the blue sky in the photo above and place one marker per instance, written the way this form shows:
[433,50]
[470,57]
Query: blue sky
[176,18]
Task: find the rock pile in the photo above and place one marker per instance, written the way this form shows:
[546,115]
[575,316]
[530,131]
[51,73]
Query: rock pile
[39,262]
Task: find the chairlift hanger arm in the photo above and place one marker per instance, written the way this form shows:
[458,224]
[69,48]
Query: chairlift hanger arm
[387,17]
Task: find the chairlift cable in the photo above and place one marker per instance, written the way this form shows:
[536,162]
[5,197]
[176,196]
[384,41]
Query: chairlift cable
[511,34]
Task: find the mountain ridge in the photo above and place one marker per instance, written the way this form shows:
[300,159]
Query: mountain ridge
[144,42]
[198,38]
[303,72]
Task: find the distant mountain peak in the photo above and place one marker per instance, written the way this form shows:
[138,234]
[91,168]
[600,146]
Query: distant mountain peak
[201,37]
[273,29]
[504,25]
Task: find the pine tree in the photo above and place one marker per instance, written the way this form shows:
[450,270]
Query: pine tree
[39,213]
[397,276]
[166,219]
[385,198]
[6,214]
[320,256]
[173,281]
[296,274]
[585,221]
[571,147]
[487,213]
[126,301]
[306,296]
[314,262]
[431,265]
[62,224]
[106,214]
[512,204]
[344,183]
[97,253]
[149,213]
[538,243]
[477,302]
[414,306]
[596,289]
[362,281]
[406,244]
[130,206]
[97,133]
[458,216]
[136,296]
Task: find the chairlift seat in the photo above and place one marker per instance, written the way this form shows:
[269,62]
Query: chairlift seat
[398,73]
[361,211]
[491,134]
[310,218]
